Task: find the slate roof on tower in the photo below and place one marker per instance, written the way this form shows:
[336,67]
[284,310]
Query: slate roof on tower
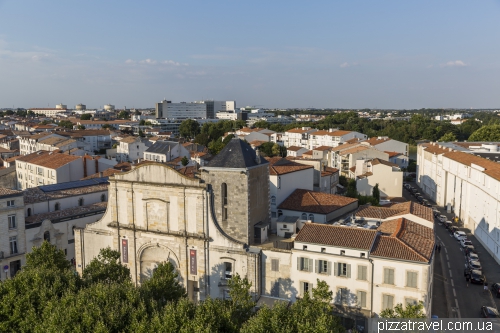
[236,154]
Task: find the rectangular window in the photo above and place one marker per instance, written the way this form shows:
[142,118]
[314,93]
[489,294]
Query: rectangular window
[305,288]
[10,203]
[411,301]
[13,245]
[361,299]
[12,221]
[342,294]
[387,302]
[342,269]
[362,272]
[304,264]
[411,279]
[275,265]
[388,275]
[228,270]
[323,267]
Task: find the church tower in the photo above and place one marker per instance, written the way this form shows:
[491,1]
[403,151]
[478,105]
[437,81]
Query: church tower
[238,178]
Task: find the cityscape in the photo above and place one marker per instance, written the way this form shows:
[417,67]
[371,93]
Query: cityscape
[288,203]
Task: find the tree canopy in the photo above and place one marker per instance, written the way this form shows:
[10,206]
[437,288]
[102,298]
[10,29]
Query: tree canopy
[486,133]
[86,116]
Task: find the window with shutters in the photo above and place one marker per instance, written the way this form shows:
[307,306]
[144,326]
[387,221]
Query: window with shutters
[10,203]
[275,265]
[361,299]
[362,272]
[305,288]
[411,279]
[342,295]
[311,217]
[323,267]
[273,200]
[303,216]
[387,301]
[304,264]
[389,275]
[343,269]
[12,221]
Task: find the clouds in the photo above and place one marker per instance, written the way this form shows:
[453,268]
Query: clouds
[455,63]
[347,65]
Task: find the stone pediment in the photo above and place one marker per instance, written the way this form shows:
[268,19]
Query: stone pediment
[158,174]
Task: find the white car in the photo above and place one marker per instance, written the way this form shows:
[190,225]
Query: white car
[442,218]
[464,242]
[459,235]
[473,257]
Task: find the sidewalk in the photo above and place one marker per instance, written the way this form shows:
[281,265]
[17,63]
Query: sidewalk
[439,299]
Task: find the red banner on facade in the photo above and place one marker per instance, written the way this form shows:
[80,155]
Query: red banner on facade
[192,262]
[125,250]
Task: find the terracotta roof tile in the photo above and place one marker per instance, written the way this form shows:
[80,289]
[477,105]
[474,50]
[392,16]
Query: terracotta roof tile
[315,202]
[376,141]
[100,206]
[8,191]
[322,148]
[392,153]
[300,130]
[376,161]
[338,236]
[492,169]
[281,166]
[353,150]
[47,159]
[294,148]
[407,207]
[105,173]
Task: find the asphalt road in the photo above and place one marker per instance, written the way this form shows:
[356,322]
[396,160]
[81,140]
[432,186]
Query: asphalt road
[458,300]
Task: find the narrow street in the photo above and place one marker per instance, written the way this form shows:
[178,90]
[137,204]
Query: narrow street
[452,297]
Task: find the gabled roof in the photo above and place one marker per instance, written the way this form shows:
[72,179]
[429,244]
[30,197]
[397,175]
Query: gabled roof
[392,153]
[377,140]
[236,154]
[315,202]
[8,192]
[294,148]
[51,160]
[322,148]
[161,147]
[354,238]
[407,207]
[281,166]
[376,161]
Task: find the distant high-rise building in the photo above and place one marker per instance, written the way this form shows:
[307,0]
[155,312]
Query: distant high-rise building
[183,110]
[215,106]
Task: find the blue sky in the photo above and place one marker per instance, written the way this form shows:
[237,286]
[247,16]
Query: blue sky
[344,54]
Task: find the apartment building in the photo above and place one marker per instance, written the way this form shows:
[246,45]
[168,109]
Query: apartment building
[90,140]
[298,137]
[387,175]
[466,184]
[333,138]
[49,112]
[168,110]
[397,150]
[344,157]
[132,148]
[12,242]
[166,151]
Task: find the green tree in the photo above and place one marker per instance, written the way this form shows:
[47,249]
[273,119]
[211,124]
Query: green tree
[215,146]
[47,256]
[261,124]
[202,139]
[86,116]
[189,128]
[80,127]
[486,133]
[123,115]
[141,133]
[412,166]
[351,191]
[227,139]
[275,150]
[376,193]
[163,286]
[106,268]
[410,311]
[106,126]
[241,300]
[322,292]
[448,137]
[142,122]
[184,161]
[66,124]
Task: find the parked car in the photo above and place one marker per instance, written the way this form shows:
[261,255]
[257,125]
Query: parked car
[459,235]
[448,224]
[489,312]
[442,218]
[453,229]
[474,265]
[475,276]
[469,249]
[495,289]
[435,212]
[473,257]
[464,242]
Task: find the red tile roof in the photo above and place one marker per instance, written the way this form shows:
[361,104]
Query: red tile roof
[408,207]
[294,148]
[346,237]
[281,166]
[376,141]
[376,161]
[315,202]
[48,159]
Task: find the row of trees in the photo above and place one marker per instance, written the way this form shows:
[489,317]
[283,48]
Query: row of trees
[419,127]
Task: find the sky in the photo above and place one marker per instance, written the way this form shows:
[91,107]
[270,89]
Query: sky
[271,54]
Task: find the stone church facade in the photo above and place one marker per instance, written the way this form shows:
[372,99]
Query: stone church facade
[206,226]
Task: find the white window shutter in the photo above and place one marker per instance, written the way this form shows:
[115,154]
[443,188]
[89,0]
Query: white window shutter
[329,268]
[298,264]
[301,288]
[348,270]
[336,268]
[311,264]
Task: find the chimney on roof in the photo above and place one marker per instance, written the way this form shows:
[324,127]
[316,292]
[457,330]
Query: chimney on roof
[100,174]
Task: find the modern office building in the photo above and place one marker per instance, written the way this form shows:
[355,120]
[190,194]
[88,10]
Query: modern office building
[183,110]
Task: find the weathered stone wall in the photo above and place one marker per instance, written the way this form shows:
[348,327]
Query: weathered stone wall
[259,209]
